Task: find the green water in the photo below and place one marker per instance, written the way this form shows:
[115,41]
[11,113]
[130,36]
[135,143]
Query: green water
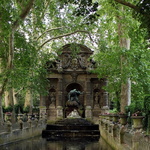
[39,143]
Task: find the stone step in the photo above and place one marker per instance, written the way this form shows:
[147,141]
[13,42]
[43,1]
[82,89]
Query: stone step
[78,127]
[70,133]
[72,127]
[75,121]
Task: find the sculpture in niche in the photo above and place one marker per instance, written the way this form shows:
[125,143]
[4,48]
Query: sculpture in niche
[52,98]
[73,95]
[96,99]
[73,103]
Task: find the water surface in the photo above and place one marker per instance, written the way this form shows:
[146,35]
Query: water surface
[38,143]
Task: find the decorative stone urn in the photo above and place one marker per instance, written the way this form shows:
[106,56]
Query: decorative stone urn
[115,118]
[137,122]
[8,116]
[20,117]
[123,119]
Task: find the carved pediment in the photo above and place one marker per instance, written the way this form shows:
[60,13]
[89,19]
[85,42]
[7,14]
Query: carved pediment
[74,63]
[74,59]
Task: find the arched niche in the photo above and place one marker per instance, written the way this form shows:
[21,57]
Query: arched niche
[96,97]
[72,86]
[52,97]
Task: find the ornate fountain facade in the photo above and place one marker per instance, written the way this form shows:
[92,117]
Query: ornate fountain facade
[71,71]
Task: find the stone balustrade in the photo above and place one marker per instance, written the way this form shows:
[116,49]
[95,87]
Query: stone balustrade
[121,136]
[22,129]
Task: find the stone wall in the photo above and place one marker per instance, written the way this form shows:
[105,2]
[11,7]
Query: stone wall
[123,137]
[21,130]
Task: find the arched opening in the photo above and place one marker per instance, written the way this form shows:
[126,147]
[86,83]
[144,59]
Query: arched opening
[78,87]
[80,109]
[74,86]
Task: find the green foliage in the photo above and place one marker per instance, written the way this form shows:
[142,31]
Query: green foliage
[114,111]
[85,8]
[7,109]
[26,109]
[147,113]
[18,108]
[143,15]
[137,106]
[147,104]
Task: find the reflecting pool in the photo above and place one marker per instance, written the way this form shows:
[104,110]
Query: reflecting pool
[38,143]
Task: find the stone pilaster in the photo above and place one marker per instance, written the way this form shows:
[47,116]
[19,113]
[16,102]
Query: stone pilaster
[88,98]
[88,112]
[105,98]
[88,92]
[42,106]
[59,99]
[59,94]
[105,107]
[59,112]
[42,111]
[42,100]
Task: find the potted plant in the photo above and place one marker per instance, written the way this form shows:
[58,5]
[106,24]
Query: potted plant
[137,118]
[8,116]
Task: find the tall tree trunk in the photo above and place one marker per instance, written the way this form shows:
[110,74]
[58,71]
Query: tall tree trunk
[126,83]
[1,110]
[125,95]
[15,97]
[28,100]
[1,92]
[8,98]
[24,12]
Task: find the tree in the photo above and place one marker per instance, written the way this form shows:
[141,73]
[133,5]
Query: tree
[141,11]
[23,8]
[108,58]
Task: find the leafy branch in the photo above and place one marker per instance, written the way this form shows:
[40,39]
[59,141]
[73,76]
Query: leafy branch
[49,30]
[24,13]
[134,7]
[128,4]
[65,35]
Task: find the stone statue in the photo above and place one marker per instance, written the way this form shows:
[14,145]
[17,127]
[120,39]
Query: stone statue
[74,114]
[96,98]
[53,98]
[73,95]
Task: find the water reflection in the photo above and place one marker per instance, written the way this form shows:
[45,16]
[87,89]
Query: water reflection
[39,143]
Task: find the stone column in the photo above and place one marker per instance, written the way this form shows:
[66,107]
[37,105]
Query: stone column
[105,98]
[42,106]
[105,107]
[59,99]
[88,108]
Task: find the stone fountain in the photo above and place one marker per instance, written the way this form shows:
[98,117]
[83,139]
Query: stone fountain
[73,125]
